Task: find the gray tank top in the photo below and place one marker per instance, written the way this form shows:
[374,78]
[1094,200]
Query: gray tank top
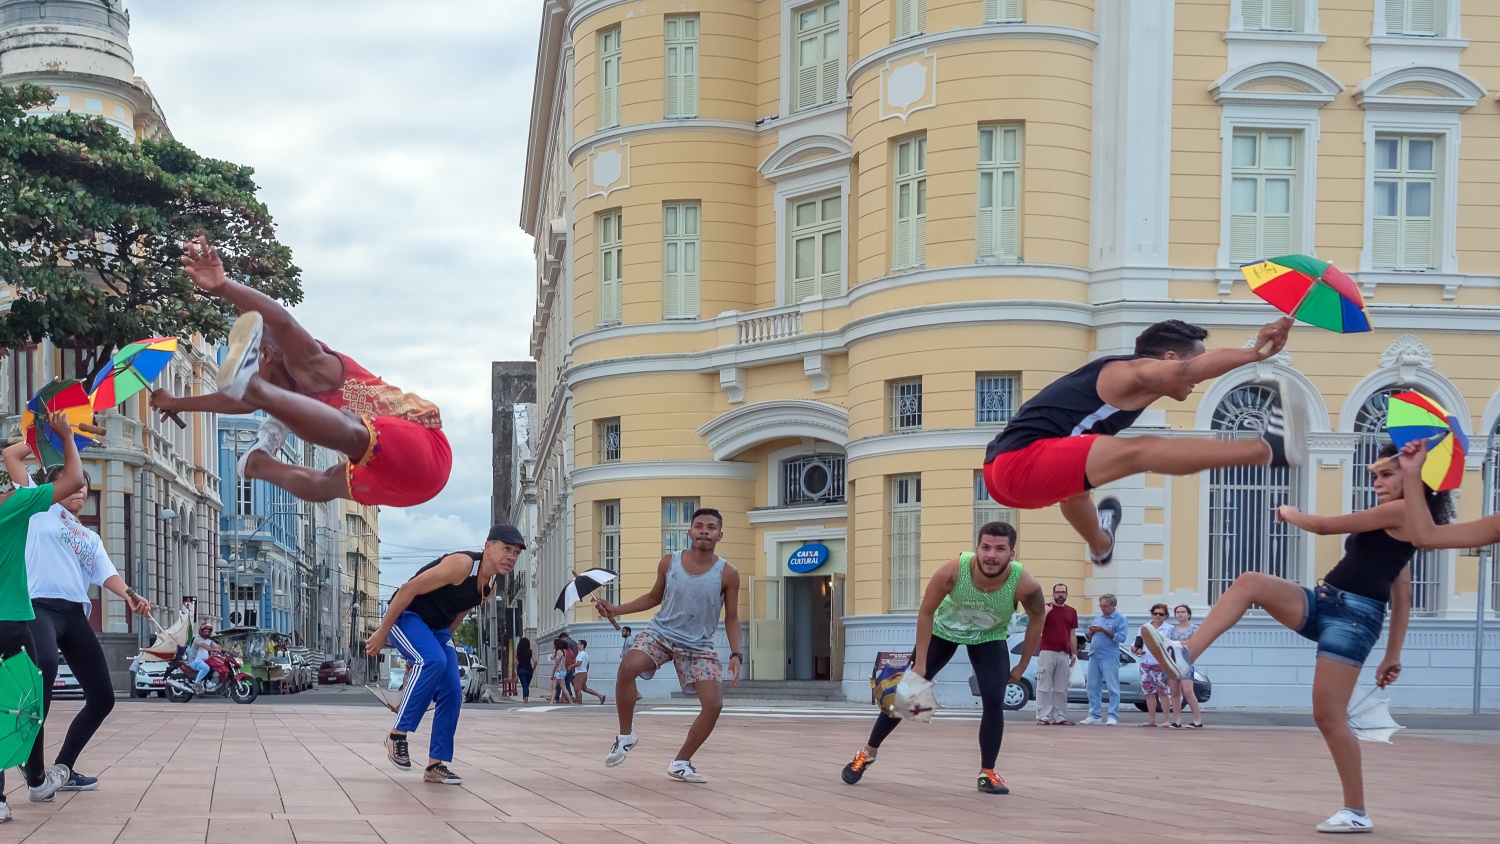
[691,605]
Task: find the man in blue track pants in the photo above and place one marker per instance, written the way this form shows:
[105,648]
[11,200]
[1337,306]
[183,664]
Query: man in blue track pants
[420,620]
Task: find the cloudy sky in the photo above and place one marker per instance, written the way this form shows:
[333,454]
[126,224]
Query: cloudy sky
[388,139]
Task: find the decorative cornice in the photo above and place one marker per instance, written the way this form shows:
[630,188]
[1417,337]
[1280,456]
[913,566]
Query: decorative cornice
[1407,350]
[988,32]
[795,515]
[732,433]
[1315,86]
[1452,90]
[882,445]
[618,133]
[652,470]
[838,148]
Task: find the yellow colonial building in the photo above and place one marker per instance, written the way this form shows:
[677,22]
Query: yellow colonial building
[800,261]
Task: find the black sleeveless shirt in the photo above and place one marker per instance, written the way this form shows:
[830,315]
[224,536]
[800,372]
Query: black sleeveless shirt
[442,605]
[1067,407]
[1372,562]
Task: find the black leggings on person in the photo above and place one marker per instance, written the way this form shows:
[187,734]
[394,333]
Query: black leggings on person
[991,662]
[62,626]
[15,637]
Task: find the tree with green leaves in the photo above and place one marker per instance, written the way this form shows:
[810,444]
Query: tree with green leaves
[92,226]
[468,632]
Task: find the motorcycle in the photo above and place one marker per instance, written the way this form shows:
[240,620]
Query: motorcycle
[225,679]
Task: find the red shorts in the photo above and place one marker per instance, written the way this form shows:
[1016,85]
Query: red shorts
[1044,473]
[406,464]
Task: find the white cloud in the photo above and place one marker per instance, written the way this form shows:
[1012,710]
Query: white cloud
[388,138]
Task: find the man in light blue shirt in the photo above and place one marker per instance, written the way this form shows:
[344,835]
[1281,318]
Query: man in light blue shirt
[1106,635]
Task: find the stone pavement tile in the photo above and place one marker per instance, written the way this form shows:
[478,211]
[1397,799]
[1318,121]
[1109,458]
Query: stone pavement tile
[160,829]
[221,831]
[404,830]
[592,833]
[353,830]
[97,832]
[500,833]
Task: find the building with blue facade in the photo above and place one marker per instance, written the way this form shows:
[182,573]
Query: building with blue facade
[262,537]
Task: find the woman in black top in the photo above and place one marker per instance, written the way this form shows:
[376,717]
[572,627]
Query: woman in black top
[525,667]
[1343,615]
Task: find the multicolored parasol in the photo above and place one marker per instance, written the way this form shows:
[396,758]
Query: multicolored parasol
[65,395]
[131,370]
[1411,416]
[1314,291]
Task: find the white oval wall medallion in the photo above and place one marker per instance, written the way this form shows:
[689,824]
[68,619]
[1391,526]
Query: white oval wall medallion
[907,85]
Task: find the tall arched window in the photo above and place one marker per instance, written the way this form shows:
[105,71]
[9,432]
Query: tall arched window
[1243,534]
[1369,424]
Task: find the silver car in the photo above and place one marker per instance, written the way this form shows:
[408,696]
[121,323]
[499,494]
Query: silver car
[1019,694]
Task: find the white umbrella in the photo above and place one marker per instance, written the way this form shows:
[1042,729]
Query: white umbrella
[1370,719]
[916,698]
[583,584]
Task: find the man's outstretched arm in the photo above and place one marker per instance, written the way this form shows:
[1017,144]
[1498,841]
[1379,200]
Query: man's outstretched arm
[201,261]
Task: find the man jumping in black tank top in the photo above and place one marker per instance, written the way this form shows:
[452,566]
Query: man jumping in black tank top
[1061,443]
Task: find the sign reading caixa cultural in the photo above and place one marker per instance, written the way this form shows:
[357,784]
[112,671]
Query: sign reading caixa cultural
[807,558]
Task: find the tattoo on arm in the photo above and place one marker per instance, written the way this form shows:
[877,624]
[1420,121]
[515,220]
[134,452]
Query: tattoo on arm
[1033,603]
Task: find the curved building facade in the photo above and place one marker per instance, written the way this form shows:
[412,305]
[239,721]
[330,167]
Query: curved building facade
[800,261]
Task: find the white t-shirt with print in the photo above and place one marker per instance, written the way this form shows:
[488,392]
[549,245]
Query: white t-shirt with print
[582,666]
[64,558]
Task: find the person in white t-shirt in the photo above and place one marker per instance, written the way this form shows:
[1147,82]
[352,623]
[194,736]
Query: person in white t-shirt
[63,560]
[581,675]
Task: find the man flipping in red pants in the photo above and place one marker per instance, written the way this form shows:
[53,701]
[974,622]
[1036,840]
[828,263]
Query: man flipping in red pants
[397,453]
[1062,443]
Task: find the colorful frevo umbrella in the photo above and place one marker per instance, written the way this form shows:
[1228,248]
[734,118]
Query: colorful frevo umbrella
[1411,416]
[131,370]
[1314,291]
[20,708]
[65,395]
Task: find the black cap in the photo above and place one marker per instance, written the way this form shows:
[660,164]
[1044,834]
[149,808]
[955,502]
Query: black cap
[507,534]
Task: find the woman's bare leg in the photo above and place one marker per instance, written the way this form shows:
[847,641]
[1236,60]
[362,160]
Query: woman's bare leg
[1192,700]
[1333,684]
[1282,599]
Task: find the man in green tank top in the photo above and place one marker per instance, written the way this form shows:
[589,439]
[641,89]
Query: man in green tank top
[969,601]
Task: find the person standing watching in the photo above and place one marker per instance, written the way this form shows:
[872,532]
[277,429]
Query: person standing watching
[1058,656]
[1106,635]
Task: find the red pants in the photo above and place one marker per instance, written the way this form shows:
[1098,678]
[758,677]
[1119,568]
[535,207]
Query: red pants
[405,465]
[1044,473]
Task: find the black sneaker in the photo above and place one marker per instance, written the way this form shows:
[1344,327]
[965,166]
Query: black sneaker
[79,782]
[992,783]
[1110,512]
[395,750]
[856,767]
[438,773]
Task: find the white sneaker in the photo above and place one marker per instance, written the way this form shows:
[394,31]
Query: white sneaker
[622,746]
[1172,656]
[272,434]
[1112,721]
[1346,821]
[4,811]
[1091,720]
[1294,418]
[685,771]
[56,776]
[242,360]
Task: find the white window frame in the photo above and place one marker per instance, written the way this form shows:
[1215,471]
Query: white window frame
[1303,121]
[681,288]
[1261,173]
[905,550]
[1446,129]
[908,18]
[1015,395]
[685,50]
[604,429]
[674,534]
[898,390]
[909,247]
[1419,260]
[611,310]
[789,10]
[993,248]
[1446,20]
[818,231]
[827,73]
[791,189]
[610,556]
[608,107]
[987,509]
[1003,11]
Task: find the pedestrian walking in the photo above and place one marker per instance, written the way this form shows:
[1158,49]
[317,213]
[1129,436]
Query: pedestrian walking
[525,667]
[1054,671]
[562,657]
[1106,635]
[581,674]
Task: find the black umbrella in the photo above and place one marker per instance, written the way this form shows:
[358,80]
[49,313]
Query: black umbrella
[583,584]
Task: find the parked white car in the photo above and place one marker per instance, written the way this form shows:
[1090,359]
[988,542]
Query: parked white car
[149,678]
[471,673]
[66,685]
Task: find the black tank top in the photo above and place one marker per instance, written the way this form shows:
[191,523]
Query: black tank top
[1067,407]
[1372,562]
[439,607]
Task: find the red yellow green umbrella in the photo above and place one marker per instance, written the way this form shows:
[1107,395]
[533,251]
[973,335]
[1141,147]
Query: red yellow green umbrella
[1314,291]
[65,395]
[1411,416]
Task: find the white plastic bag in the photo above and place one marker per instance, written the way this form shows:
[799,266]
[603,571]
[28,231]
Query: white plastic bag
[916,698]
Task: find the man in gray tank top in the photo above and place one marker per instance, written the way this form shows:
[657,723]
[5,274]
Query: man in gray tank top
[692,588]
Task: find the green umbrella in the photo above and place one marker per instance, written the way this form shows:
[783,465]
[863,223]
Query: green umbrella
[20,708]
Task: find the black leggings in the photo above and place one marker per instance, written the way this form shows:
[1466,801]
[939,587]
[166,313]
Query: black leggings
[62,626]
[15,637]
[991,662]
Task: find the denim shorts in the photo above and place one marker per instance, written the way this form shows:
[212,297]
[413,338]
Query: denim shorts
[1344,625]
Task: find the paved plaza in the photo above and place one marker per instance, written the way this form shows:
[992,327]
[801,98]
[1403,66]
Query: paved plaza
[288,771]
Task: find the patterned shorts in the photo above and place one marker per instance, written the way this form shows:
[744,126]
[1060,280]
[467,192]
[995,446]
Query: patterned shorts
[692,664]
[1153,679]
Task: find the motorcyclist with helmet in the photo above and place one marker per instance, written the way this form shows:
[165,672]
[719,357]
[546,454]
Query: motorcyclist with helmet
[202,646]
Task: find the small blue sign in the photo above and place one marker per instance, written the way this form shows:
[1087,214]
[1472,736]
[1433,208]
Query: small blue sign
[807,558]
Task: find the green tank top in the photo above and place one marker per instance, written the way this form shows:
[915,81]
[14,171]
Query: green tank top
[971,617]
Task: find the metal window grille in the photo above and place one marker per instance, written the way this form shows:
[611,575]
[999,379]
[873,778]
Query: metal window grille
[1369,423]
[906,405]
[609,546]
[906,541]
[676,521]
[812,479]
[994,398]
[1243,534]
[609,441]
[986,509]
